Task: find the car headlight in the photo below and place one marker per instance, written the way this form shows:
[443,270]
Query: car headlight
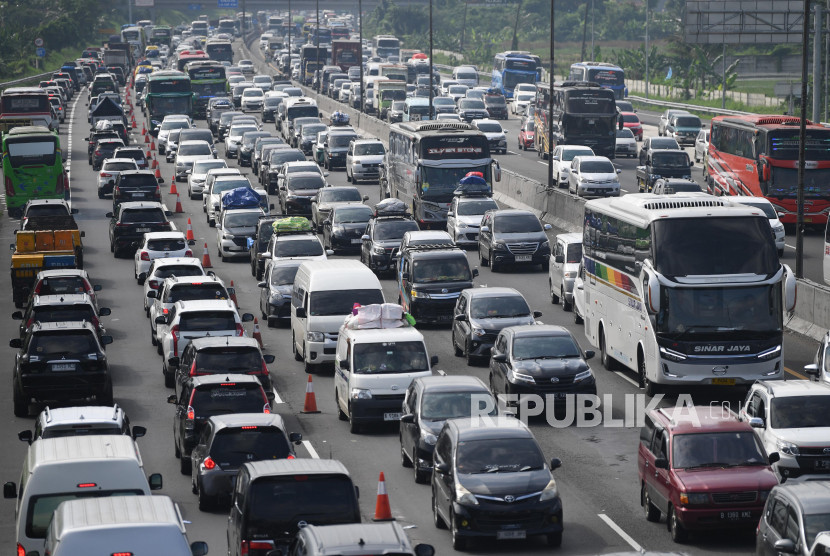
[315,337]
[584,375]
[428,438]
[227,235]
[464,496]
[361,394]
[694,498]
[416,294]
[550,492]
[499,246]
[378,250]
[275,298]
[764,495]
[544,245]
[672,355]
[787,447]
[570,274]
[478,332]
[521,377]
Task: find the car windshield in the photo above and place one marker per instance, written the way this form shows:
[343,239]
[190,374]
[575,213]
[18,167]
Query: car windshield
[440,406]
[306,182]
[625,134]
[509,306]
[687,121]
[351,215]
[283,275]
[597,167]
[273,102]
[165,271]
[149,215]
[390,357]
[545,347]
[166,244]
[574,253]
[569,154]
[207,321]
[311,130]
[475,208]
[670,160]
[62,343]
[813,525]
[61,313]
[340,302]
[441,270]
[228,359]
[227,398]
[499,455]
[516,224]
[494,99]
[175,124]
[800,412]
[196,149]
[716,450]
[394,229]
[190,292]
[489,127]
[457,90]
[299,248]
[369,149]
[443,101]
[337,194]
[249,139]
[253,92]
[231,447]
[471,104]
[202,166]
[631,118]
[280,156]
[341,140]
[664,143]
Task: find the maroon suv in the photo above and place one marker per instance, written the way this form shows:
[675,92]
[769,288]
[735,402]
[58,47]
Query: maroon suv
[704,469]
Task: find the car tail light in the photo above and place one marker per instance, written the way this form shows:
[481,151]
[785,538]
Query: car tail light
[154,284]
[266,408]
[259,545]
[290,456]
[175,333]
[105,175]
[9,192]
[263,371]
[98,151]
[190,413]
[87,485]
[188,253]
[30,322]
[249,427]
[145,256]
[240,331]
[193,371]
[209,463]
[20,550]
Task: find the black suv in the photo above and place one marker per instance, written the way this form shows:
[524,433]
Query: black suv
[245,154]
[216,107]
[132,220]
[61,307]
[260,144]
[136,185]
[344,226]
[95,136]
[472,109]
[496,106]
[511,237]
[491,481]
[60,361]
[262,235]
[232,354]
[382,240]
[227,442]
[225,122]
[431,279]
[276,159]
[336,147]
[298,191]
[206,396]
[105,148]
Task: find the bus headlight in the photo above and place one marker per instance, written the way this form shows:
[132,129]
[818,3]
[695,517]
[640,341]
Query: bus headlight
[771,353]
[672,355]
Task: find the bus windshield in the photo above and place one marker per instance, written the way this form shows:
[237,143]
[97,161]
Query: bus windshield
[784,183]
[438,184]
[31,152]
[25,104]
[607,77]
[169,86]
[589,102]
[783,144]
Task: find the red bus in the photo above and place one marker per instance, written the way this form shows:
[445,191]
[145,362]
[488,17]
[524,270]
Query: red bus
[757,155]
[186,56]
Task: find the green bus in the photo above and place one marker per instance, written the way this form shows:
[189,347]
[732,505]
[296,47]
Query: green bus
[162,35]
[207,80]
[168,92]
[32,167]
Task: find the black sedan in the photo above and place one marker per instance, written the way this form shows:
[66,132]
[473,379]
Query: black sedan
[343,229]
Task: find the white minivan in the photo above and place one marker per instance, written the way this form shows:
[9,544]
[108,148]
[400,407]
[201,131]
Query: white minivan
[69,467]
[374,366]
[323,294]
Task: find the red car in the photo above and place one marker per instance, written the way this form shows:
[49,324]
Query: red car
[526,135]
[704,469]
[632,122]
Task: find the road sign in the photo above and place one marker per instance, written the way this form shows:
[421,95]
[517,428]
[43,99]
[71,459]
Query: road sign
[40,52]
[228,3]
[194,7]
[743,22]
[38,42]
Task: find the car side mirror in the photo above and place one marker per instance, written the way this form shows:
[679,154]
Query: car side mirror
[485,229]
[295,437]
[773,458]
[365,198]
[9,490]
[97,287]
[104,312]
[691,164]
[155,480]
[171,398]
[247,317]
[365,237]
[555,463]
[811,370]
[756,423]
[106,340]
[16,343]
[275,552]
[537,314]
[161,319]
[475,273]
[173,361]
[500,357]
[461,318]
[200,548]
[151,294]
[109,215]
[139,431]
[409,418]
[17,315]
[25,436]
[262,285]
[661,463]
[559,259]
[73,211]
[301,314]
[442,468]
[589,354]
[269,358]
[786,546]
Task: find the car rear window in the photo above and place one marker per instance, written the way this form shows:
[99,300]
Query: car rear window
[337,194]
[574,253]
[135,216]
[716,449]
[119,166]
[299,248]
[234,446]
[177,270]
[81,430]
[306,182]
[41,508]
[190,292]
[229,359]
[207,321]
[166,244]
[228,397]
[143,181]
[46,210]
[273,500]
[62,284]
[62,343]
[61,313]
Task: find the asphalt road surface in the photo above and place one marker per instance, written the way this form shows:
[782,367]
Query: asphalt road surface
[598,479]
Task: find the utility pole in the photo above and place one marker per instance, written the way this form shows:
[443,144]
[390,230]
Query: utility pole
[130,11]
[802,137]
[549,107]
[431,90]
[592,30]
[360,27]
[584,31]
[290,25]
[723,86]
[317,44]
[817,76]
[464,27]
[647,52]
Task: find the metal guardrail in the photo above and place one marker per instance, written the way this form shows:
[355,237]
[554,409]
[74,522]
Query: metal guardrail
[38,77]
[681,106]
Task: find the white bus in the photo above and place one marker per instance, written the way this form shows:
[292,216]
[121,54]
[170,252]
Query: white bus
[425,162]
[685,290]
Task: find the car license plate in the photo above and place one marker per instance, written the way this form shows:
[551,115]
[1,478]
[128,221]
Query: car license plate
[445,317]
[142,229]
[391,416]
[511,534]
[559,395]
[356,240]
[524,258]
[822,464]
[138,195]
[736,516]
[723,381]
[63,366]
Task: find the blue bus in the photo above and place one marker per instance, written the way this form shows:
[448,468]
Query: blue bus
[512,68]
[606,75]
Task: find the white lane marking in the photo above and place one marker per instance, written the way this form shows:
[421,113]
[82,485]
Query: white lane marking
[311,449]
[617,529]
[790,246]
[622,376]
[277,398]
[511,152]
[542,162]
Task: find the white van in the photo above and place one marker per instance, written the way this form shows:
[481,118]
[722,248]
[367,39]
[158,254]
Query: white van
[465,75]
[374,366]
[369,82]
[134,525]
[323,294]
[63,468]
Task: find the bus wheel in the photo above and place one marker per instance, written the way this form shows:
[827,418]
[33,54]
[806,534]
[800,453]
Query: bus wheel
[607,361]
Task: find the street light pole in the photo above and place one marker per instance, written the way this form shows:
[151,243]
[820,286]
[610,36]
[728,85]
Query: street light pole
[549,107]
[802,137]
[317,44]
[360,27]
[430,61]
[290,25]
[647,14]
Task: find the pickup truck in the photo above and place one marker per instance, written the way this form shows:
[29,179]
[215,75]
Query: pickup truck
[663,164]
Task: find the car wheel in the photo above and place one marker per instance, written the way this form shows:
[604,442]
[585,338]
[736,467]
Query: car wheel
[21,403]
[652,512]
[494,266]
[348,177]
[101,194]
[566,305]
[354,427]
[405,460]
[577,316]
[780,253]
[185,465]
[554,299]
[437,520]
[421,477]
[457,350]
[458,542]
[177,453]
[468,355]
[678,533]
[481,259]
[153,337]
[307,367]
[554,539]
[297,356]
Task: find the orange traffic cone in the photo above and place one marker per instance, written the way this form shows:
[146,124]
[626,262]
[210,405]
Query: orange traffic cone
[146,137]
[256,322]
[310,405]
[143,130]
[189,236]
[257,335]
[179,209]
[206,258]
[382,510]
[152,145]
[134,124]
[173,189]
[155,164]
[158,172]
[149,154]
